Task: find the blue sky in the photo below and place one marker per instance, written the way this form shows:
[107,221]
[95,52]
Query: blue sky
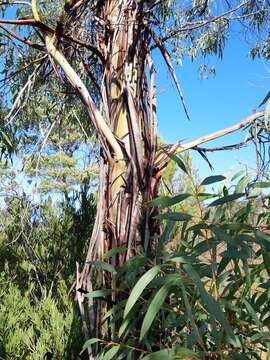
[239,86]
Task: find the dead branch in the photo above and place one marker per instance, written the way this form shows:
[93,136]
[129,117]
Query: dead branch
[177,148]
[217,134]
[168,61]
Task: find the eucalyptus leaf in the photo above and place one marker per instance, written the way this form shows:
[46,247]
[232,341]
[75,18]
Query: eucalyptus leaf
[226,199]
[213,179]
[154,308]
[139,288]
[174,216]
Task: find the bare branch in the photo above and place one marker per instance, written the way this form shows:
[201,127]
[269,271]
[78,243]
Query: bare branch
[217,134]
[167,58]
[224,148]
[22,39]
[30,22]
[163,157]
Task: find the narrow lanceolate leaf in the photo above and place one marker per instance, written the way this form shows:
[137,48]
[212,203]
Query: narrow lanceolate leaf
[211,305]
[180,353]
[260,185]
[176,353]
[166,201]
[159,355]
[103,265]
[154,308]
[267,97]
[115,251]
[235,176]
[139,288]
[252,313]
[262,239]
[99,293]
[89,343]
[179,162]
[226,199]
[111,353]
[205,196]
[213,179]
[174,216]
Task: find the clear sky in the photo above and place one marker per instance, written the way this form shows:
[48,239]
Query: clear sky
[237,89]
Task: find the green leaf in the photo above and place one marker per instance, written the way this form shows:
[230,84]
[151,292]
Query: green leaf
[89,343]
[267,97]
[154,308]
[159,355]
[103,265]
[205,196]
[179,162]
[190,315]
[213,179]
[99,293]
[235,176]
[166,201]
[180,259]
[260,185]
[211,305]
[111,353]
[180,353]
[263,239]
[242,183]
[115,251]
[177,353]
[226,199]
[252,313]
[174,216]
[139,287]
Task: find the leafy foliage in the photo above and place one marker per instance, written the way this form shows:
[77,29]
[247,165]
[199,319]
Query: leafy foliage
[205,299]
[39,248]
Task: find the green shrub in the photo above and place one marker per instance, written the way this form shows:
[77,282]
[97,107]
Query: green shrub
[208,298]
[39,247]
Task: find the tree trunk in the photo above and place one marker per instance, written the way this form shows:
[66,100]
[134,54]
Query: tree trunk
[128,180]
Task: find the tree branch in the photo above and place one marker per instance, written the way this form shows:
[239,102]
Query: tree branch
[194,26]
[217,134]
[179,148]
[21,38]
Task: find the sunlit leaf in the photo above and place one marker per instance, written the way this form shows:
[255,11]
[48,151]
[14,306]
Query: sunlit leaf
[179,162]
[139,288]
[166,201]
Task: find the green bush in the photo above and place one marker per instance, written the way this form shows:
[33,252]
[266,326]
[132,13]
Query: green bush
[206,299]
[36,330]
[39,247]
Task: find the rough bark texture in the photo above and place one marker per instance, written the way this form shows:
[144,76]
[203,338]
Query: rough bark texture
[129,105]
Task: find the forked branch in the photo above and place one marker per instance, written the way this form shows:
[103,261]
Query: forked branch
[99,122]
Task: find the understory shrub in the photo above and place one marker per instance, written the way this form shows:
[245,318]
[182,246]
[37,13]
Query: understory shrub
[208,297]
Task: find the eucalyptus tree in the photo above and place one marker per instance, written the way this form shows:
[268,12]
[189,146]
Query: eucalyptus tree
[98,56]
